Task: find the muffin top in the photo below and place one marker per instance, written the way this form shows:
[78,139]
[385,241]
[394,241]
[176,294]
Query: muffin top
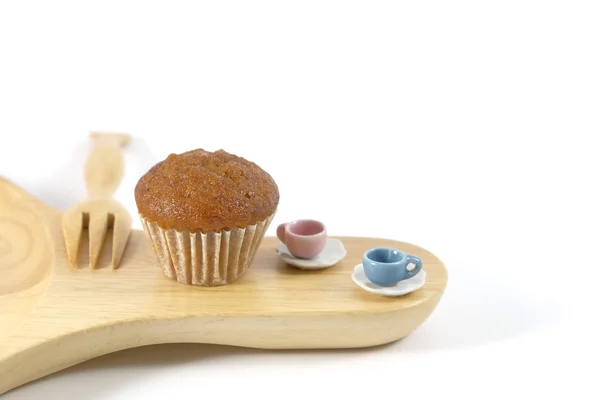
[205,191]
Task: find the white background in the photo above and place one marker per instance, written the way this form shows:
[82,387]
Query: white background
[466,127]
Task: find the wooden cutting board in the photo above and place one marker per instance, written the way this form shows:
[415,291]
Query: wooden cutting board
[53,316]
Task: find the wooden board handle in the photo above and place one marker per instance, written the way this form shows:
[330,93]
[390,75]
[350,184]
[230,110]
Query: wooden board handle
[105,165]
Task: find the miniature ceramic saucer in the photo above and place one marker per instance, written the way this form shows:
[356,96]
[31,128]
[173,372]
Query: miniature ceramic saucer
[333,252]
[401,288]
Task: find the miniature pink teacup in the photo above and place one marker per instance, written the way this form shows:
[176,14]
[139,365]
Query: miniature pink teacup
[304,238]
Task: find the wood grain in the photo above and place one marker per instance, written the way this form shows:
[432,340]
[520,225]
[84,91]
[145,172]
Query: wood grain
[53,316]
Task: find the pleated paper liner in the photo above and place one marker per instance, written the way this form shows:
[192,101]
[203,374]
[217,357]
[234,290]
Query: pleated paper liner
[206,259]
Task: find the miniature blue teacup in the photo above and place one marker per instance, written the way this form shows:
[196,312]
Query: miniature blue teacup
[385,266]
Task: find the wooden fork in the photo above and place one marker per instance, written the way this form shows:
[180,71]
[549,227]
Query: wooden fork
[104,171]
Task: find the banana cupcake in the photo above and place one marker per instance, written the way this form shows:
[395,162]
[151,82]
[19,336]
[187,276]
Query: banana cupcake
[206,214]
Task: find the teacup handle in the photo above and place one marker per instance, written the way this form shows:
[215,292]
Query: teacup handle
[281,232]
[418,265]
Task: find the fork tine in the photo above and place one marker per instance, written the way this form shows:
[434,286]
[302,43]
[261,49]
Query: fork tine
[97,228]
[121,228]
[72,225]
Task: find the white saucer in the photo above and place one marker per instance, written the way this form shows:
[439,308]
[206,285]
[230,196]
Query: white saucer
[401,288]
[333,252]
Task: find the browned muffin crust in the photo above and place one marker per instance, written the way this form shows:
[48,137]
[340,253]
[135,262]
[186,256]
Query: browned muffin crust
[206,191]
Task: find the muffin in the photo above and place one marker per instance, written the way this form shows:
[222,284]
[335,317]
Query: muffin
[206,214]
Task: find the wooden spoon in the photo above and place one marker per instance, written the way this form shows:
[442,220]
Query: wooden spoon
[53,316]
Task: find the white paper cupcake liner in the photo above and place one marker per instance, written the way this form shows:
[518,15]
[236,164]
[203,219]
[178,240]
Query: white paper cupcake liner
[206,259]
